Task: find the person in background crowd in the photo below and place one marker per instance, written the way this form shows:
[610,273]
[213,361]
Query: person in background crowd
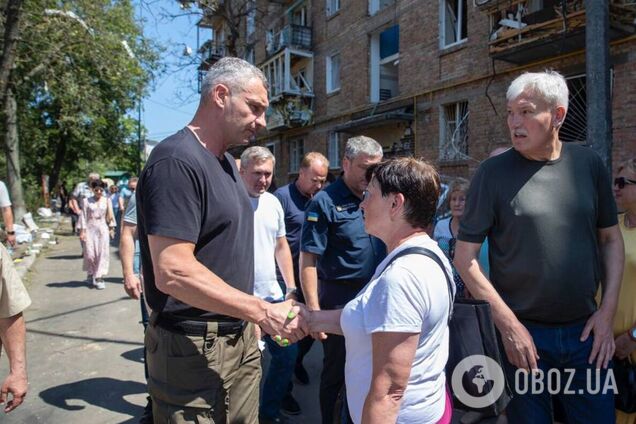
[396,328]
[294,198]
[446,230]
[339,255]
[82,191]
[625,319]
[270,249]
[131,269]
[7,214]
[550,218]
[14,299]
[96,224]
[117,203]
[129,191]
[196,236]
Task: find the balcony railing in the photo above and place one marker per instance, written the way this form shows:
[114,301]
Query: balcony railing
[521,35]
[294,36]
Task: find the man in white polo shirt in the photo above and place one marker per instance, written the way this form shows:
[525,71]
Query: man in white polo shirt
[270,248]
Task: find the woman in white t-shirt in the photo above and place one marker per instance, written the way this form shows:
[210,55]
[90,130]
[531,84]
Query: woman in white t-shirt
[396,329]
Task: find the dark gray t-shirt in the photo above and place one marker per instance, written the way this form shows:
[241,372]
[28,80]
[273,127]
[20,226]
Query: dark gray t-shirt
[541,220]
[187,193]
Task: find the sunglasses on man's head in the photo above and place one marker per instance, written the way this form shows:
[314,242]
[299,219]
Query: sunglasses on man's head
[621,181]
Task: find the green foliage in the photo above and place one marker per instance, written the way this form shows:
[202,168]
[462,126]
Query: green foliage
[77,84]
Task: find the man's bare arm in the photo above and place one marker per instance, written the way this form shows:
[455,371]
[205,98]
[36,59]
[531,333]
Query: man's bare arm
[284,261]
[132,284]
[612,253]
[180,275]
[13,336]
[517,341]
[7,217]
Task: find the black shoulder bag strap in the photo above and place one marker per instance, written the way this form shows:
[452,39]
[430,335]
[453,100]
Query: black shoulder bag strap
[429,253]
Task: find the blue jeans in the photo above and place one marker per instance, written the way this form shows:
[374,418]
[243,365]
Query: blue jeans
[561,353]
[281,368]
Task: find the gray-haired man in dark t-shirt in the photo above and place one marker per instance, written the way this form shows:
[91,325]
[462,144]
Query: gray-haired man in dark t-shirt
[195,225]
[550,218]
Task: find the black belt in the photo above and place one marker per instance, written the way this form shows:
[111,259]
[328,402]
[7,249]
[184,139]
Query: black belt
[199,328]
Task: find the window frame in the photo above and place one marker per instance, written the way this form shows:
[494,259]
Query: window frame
[296,150]
[332,7]
[329,83]
[443,44]
[334,157]
[446,154]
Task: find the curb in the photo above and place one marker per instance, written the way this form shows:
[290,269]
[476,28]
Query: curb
[27,261]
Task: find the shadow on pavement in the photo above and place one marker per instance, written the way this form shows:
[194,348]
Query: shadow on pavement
[64,257]
[71,284]
[135,355]
[107,393]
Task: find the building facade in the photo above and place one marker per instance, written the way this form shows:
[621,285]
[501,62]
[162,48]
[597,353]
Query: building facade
[423,77]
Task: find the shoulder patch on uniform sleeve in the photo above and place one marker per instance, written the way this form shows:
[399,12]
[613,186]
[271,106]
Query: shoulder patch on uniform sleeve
[312,216]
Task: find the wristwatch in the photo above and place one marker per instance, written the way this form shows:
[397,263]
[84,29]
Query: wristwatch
[291,290]
[11,233]
[632,334]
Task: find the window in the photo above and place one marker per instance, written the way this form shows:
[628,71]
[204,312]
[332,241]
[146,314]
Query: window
[333,73]
[333,150]
[271,146]
[296,152]
[251,19]
[574,128]
[454,132]
[376,5]
[385,58]
[249,54]
[332,6]
[453,22]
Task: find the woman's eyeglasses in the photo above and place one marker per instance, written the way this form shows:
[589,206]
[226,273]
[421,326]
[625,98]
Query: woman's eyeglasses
[98,190]
[622,181]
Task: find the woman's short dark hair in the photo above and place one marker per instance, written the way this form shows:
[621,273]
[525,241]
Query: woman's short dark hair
[417,180]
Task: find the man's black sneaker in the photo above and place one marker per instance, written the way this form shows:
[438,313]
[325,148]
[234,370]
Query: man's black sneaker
[289,405]
[301,374]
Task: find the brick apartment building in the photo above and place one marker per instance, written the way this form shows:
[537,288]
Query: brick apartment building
[423,77]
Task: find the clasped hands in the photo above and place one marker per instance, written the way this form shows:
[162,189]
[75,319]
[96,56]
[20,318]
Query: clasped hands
[287,322]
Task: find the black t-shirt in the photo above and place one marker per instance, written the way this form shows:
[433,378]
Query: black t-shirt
[541,220]
[187,193]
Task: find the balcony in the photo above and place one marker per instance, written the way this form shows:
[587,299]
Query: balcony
[523,31]
[291,36]
[210,52]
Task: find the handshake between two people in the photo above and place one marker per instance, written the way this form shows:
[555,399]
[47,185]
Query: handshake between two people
[290,321]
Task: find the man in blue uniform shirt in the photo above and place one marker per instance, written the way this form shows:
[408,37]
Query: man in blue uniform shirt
[337,256]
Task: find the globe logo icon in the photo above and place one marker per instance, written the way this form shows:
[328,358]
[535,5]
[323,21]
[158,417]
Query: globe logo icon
[478,381]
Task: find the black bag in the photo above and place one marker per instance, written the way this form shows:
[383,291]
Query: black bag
[472,332]
[625,375]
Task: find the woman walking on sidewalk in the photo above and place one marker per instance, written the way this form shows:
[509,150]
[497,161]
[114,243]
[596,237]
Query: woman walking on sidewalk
[96,222]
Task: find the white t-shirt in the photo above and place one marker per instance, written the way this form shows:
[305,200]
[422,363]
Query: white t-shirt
[269,225]
[411,296]
[4,196]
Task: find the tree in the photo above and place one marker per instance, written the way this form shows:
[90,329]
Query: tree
[80,66]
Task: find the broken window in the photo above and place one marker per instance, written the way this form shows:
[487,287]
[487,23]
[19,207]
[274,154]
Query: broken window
[454,132]
[453,22]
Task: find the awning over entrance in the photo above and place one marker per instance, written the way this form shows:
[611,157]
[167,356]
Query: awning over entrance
[378,120]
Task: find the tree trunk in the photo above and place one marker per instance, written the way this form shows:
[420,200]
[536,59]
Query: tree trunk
[12,150]
[60,153]
[13,12]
